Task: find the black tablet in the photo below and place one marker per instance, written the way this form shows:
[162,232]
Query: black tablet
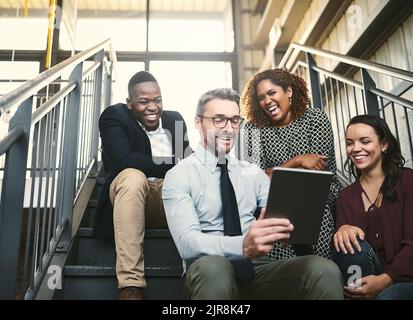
[299,195]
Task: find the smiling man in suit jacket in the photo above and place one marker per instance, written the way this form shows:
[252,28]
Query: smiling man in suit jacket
[140,143]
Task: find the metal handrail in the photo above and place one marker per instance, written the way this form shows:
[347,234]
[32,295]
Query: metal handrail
[52,102]
[48,258]
[14,135]
[60,138]
[92,68]
[339,77]
[342,96]
[368,65]
[32,86]
[390,97]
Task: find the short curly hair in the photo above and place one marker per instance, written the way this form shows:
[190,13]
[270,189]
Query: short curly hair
[280,77]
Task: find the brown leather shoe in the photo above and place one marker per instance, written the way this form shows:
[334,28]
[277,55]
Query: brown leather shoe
[130,293]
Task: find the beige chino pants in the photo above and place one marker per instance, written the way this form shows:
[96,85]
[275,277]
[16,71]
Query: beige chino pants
[137,203]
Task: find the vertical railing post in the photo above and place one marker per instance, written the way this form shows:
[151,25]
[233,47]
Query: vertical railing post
[70,155]
[108,87]
[12,201]
[98,102]
[314,82]
[370,99]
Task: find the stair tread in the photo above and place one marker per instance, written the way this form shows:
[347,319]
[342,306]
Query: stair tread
[87,232]
[90,271]
[99,271]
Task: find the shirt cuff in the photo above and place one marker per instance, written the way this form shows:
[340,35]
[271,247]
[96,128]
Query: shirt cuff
[391,274]
[233,246]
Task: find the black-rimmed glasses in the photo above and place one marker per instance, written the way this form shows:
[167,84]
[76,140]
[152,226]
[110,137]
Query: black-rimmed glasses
[221,122]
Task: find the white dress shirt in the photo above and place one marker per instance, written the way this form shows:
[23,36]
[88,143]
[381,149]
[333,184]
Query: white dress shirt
[161,143]
[193,207]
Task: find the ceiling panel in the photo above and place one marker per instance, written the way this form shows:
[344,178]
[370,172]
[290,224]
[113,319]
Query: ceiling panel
[210,5]
[130,5]
[222,5]
[198,6]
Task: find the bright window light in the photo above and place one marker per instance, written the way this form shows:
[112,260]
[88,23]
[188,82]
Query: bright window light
[124,71]
[186,35]
[16,70]
[23,33]
[182,83]
[126,34]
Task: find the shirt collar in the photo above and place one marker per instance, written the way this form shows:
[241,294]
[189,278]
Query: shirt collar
[159,129]
[210,160]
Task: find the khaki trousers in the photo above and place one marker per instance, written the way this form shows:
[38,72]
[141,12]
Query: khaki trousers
[137,202]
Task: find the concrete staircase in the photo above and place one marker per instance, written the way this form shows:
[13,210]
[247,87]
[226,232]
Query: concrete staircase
[89,272]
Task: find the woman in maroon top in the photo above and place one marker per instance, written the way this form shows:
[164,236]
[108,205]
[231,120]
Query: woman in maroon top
[374,228]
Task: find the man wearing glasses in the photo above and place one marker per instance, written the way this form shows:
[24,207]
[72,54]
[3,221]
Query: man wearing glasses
[140,143]
[210,199]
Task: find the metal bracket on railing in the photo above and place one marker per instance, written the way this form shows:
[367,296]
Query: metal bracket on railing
[314,82]
[370,100]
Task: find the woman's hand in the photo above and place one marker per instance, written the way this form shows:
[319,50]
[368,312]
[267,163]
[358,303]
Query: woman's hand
[346,237]
[268,172]
[312,161]
[368,287]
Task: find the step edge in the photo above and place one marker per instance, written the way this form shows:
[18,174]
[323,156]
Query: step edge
[105,271]
[87,232]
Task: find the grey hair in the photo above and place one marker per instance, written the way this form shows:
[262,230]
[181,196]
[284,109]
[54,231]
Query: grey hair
[219,93]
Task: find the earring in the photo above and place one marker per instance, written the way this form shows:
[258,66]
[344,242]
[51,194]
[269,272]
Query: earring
[291,99]
[384,151]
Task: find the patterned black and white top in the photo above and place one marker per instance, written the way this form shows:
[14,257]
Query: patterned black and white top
[271,146]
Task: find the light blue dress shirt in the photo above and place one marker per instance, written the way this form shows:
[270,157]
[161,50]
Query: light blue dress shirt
[193,206]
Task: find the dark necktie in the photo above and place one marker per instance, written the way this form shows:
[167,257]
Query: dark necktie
[244,270]
[232,225]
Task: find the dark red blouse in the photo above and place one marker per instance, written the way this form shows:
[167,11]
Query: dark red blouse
[389,229]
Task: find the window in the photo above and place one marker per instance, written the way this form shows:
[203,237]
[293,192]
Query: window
[16,70]
[126,34]
[124,71]
[186,35]
[183,82]
[206,26]
[23,33]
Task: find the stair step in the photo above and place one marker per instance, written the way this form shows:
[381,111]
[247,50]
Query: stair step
[100,283]
[99,271]
[159,250]
[90,271]
[87,232]
[89,217]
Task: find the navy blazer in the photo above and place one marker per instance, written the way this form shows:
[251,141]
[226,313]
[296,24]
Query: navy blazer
[126,145]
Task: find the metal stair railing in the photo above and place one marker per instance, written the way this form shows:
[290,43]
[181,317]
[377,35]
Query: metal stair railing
[342,97]
[48,153]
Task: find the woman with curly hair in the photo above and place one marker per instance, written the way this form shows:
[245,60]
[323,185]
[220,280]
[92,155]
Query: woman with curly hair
[374,239]
[282,130]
